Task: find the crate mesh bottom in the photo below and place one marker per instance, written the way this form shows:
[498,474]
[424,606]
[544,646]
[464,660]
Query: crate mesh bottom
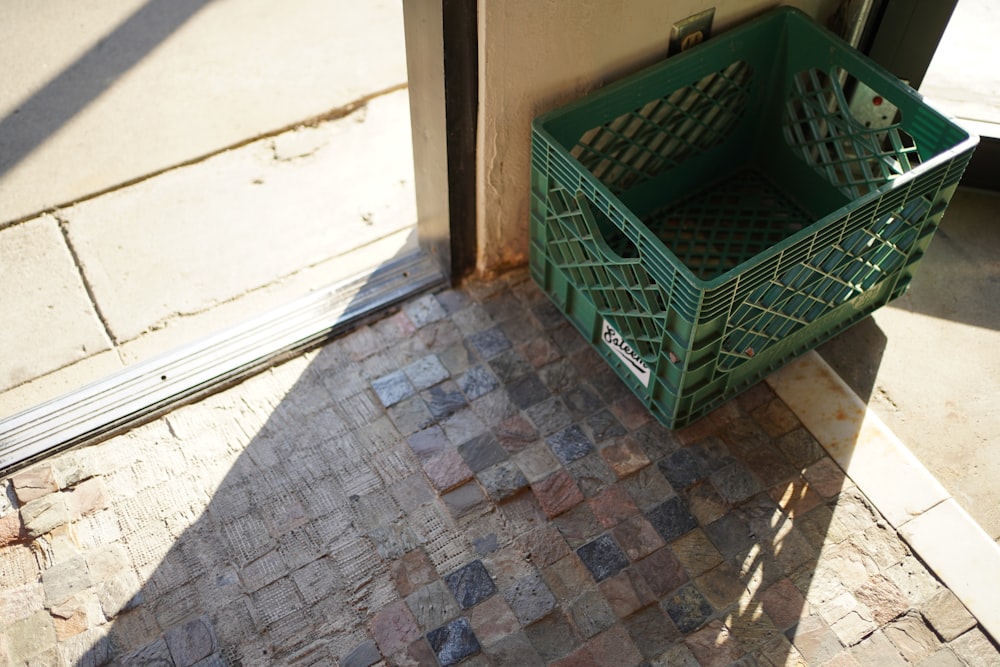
[728,223]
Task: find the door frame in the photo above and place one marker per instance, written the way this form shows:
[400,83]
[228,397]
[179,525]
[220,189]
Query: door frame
[443,69]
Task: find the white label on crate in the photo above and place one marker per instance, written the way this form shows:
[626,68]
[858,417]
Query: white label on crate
[625,352]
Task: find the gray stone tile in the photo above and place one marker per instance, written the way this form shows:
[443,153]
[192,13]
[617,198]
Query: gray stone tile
[424,310]
[426,372]
[529,598]
[550,415]
[603,557]
[453,642]
[443,400]
[393,388]
[672,518]
[489,342]
[509,365]
[688,609]
[527,391]
[502,480]
[482,451]
[552,636]
[471,584]
[570,444]
[476,382]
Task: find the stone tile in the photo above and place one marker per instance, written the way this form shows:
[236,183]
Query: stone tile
[751,629]
[543,545]
[523,513]
[515,433]
[582,402]
[912,637]
[550,415]
[502,480]
[592,474]
[581,657]
[443,400]
[795,498]
[428,443]
[696,552]
[784,604]
[488,343]
[947,615]
[713,645]
[570,444]
[482,451]
[614,646]
[622,595]
[625,456]
[394,628]
[637,537]
[775,418]
[410,415]
[558,376]
[33,483]
[735,483]
[494,408]
[537,462]
[552,636]
[630,412]
[731,535]
[393,388]
[648,488]
[64,579]
[769,465]
[612,506]
[471,584]
[603,557]
[539,351]
[876,649]
[515,649]
[529,598]
[591,613]
[411,571]
[428,308]
[453,642]
[705,503]
[466,500]
[661,572]
[527,391]
[883,597]
[826,478]
[975,648]
[477,382]
[509,365]
[687,608]
[463,425]
[567,577]
[651,630]
[943,658]
[671,519]
[492,620]
[433,604]
[87,497]
[557,493]
[815,641]
[192,641]
[452,300]
[447,470]
[722,586]
[684,467]
[603,425]
[44,514]
[800,447]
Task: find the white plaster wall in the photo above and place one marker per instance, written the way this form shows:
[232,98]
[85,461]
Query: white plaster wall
[535,55]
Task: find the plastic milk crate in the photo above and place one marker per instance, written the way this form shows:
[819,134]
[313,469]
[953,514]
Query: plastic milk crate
[712,217]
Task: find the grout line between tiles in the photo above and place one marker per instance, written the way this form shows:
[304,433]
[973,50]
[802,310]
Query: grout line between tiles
[64,229]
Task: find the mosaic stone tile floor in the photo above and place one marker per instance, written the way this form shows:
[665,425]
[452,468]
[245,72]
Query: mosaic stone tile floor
[462,482]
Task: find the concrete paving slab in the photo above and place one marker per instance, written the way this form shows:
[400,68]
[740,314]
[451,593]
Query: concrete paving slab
[929,363]
[95,95]
[49,321]
[202,235]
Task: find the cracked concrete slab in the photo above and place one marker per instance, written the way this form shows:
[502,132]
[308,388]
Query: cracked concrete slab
[96,95]
[175,246]
[49,321]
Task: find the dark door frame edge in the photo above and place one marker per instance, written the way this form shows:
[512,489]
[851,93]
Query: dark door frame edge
[461,87]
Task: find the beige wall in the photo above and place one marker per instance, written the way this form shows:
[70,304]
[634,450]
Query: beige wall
[536,55]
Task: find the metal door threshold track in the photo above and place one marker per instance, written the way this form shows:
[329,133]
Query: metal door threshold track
[148,389]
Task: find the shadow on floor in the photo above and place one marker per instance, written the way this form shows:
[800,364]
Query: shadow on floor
[513,504]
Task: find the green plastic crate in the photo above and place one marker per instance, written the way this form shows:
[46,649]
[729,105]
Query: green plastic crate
[710,218]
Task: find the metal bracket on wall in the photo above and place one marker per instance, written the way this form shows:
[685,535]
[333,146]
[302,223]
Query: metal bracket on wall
[691,31]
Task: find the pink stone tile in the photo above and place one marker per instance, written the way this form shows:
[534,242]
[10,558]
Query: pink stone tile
[625,456]
[394,628]
[447,470]
[557,493]
[612,506]
[637,537]
[784,604]
[795,498]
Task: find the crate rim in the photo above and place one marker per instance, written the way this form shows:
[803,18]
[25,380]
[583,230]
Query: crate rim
[793,13]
